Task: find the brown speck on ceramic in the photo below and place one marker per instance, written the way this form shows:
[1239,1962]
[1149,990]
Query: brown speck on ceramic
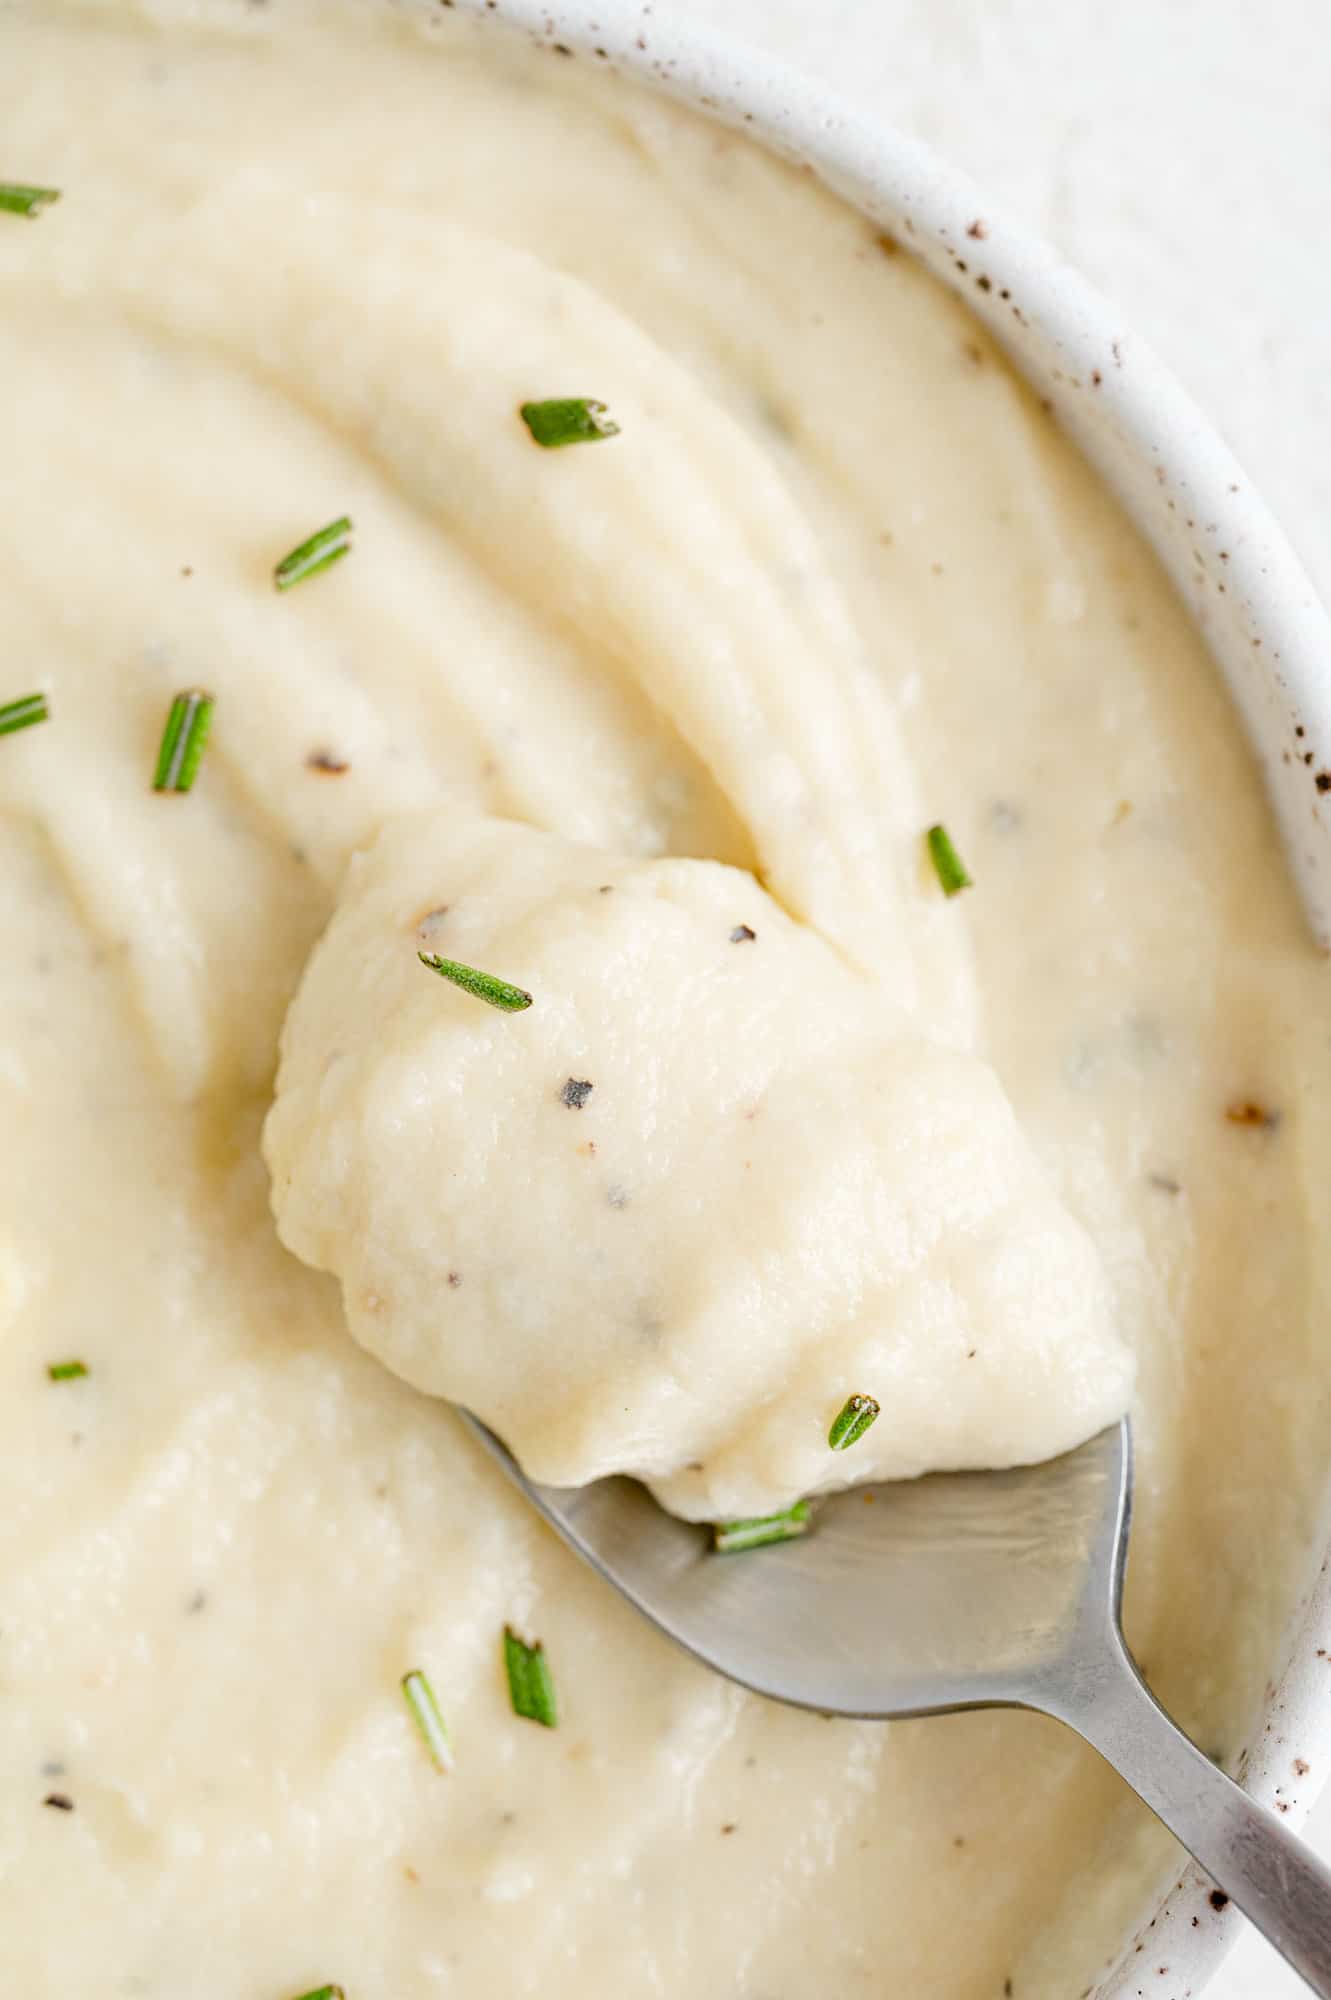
[887,244]
[1246,1111]
[325,762]
[1301,1767]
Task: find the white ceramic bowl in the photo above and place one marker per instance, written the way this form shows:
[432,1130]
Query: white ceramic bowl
[1269,634]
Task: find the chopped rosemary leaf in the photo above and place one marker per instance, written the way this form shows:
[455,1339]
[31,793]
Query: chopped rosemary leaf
[730,1537]
[321,551]
[21,714]
[419,1697]
[66,1371]
[568,420]
[510,999]
[853,1419]
[183,741]
[531,1688]
[16,199]
[949,864]
[325,1993]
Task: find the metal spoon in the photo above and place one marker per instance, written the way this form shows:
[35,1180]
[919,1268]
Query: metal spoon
[963,1590]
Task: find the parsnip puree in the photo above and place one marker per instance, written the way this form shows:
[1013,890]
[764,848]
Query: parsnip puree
[653,727]
[772,1187]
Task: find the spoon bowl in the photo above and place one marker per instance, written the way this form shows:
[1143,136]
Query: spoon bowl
[960,1590]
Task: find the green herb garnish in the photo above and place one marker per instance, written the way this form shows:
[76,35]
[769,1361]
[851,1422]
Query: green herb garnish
[16,199]
[853,1419]
[510,999]
[320,552]
[568,420]
[949,864]
[325,1993]
[21,714]
[419,1697]
[183,741]
[531,1688]
[66,1371]
[730,1537]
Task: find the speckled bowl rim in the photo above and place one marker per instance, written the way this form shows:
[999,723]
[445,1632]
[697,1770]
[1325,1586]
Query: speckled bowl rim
[1246,588]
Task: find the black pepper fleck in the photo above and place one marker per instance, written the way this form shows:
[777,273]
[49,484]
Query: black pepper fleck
[1219,1900]
[742,934]
[454,1280]
[60,1800]
[325,761]
[575,1093]
[1323,781]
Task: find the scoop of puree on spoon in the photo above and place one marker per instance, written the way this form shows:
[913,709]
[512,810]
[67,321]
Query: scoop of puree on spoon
[961,1590]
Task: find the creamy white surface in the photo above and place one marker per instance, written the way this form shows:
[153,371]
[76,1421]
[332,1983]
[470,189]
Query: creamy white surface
[668,1218]
[200,385]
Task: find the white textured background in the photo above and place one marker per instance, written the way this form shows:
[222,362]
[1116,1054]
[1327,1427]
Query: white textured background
[1177,151]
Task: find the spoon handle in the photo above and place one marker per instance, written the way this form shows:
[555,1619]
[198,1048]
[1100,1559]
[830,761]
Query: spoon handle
[1267,1871]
